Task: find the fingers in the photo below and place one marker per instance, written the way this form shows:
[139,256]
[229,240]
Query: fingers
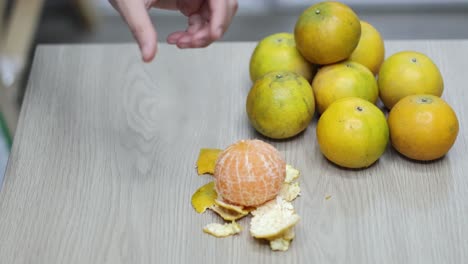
[196,36]
[232,10]
[174,37]
[219,18]
[202,38]
[183,38]
[196,22]
[136,16]
[207,25]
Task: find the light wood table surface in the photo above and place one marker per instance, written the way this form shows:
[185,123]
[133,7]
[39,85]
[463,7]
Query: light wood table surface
[102,167]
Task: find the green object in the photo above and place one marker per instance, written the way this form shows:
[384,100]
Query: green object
[5,134]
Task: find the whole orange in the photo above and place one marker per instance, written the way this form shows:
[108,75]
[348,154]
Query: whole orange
[278,52]
[352,133]
[422,127]
[344,79]
[327,32]
[407,73]
[280,104]
[370,50]
[249,173]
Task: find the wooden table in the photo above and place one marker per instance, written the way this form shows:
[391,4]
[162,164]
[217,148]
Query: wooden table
[103,167]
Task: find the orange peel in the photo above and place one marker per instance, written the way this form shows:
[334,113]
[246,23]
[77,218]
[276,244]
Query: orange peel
[204,197]
[273,219]
[227,214]
[291,174]
[236,208]
[282,242]
[207,160]
[290,191]
[222,230]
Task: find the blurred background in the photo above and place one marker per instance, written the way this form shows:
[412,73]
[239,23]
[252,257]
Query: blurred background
[396,19]
[24,24]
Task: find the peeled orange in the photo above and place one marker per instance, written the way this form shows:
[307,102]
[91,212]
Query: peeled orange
[249,173]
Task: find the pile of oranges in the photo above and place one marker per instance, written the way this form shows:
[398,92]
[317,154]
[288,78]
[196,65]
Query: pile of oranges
[334,65]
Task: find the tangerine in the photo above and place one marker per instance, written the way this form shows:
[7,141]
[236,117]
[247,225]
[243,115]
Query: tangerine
[249,173]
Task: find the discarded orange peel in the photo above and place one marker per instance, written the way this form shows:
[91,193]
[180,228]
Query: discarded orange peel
[290,189]
[204,197]
[222,230]
[227,214]
[291,174]
[281,243]
[236,208]
[207,160]
[273,221]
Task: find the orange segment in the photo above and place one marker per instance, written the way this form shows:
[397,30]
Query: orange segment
[207,160]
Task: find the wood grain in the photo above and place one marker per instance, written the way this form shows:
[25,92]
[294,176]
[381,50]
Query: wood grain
[103,167]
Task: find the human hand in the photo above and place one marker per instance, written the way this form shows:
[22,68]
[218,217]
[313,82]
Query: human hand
[208,20]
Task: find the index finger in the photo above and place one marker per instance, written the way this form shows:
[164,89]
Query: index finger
[136,16]
[219,17]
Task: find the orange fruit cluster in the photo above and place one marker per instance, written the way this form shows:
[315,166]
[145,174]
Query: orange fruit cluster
[343,60]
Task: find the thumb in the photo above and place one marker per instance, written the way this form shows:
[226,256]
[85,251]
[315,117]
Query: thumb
[136,16]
